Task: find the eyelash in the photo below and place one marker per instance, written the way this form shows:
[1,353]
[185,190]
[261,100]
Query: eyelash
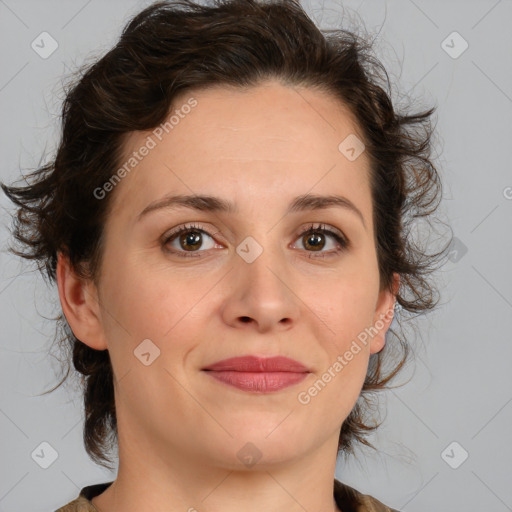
[320,228]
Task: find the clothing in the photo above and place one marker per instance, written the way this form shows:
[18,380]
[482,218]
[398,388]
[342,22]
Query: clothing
[347,498]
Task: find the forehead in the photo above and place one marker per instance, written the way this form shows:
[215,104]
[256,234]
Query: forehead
[284,117]
[246,141]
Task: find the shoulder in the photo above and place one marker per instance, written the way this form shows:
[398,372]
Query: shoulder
[351,500]
[347,498]
[80,504]
[83,502]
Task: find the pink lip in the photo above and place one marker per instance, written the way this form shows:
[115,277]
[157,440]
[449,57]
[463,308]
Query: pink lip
[260,375]
[258,364]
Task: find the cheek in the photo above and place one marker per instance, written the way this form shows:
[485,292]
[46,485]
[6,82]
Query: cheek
[142,305]
[134,310]
[344,306]
[149,301]
[341,376]
[333,391]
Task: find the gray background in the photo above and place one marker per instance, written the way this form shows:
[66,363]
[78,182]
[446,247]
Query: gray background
[460,387]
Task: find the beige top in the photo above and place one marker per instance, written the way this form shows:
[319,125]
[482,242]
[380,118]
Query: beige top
[347,499]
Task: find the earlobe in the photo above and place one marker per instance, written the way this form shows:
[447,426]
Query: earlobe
[79,302]
[384,315]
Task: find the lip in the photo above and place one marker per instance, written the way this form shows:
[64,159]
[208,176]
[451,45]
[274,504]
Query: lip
[257,374]
[258,364]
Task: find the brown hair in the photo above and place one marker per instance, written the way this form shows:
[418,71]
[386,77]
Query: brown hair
[171,47]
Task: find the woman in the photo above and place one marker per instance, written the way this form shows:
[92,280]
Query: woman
[227,221]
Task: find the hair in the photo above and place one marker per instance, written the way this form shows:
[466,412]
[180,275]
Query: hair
[172,47]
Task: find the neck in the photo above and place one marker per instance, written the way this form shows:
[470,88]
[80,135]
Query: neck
[167,479]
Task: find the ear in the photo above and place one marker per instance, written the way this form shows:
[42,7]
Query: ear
[80,305]
[384,315]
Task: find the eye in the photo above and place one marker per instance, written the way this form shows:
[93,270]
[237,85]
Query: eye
[187,239]
[314,240]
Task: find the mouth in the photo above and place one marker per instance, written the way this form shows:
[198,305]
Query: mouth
[258,375]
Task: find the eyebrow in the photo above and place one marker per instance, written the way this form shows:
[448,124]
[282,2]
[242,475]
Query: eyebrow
[208,203]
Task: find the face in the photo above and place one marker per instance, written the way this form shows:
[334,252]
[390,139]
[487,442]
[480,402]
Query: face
[260,280]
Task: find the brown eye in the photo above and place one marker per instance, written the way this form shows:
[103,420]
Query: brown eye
[314,239]
[188,239]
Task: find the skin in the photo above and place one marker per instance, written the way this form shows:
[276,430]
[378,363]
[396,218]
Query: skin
[179,429]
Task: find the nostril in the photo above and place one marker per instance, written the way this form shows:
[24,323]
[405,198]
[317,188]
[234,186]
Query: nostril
[245,319]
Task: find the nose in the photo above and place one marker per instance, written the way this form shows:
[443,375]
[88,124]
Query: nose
[261,295]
